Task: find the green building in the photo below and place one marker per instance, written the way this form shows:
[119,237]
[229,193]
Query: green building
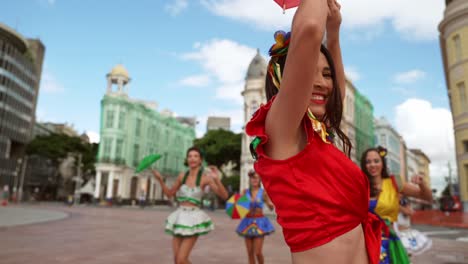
[357,122]
[364,124]
[130,130]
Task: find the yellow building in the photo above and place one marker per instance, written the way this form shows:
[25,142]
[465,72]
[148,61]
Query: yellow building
[454,46]
[423,163]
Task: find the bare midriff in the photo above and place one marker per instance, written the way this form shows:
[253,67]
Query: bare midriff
[347,248]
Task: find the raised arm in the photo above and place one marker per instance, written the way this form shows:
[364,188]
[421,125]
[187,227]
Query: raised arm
[333,44]
[212,178]
[418,189]
[169,192]
[283,122]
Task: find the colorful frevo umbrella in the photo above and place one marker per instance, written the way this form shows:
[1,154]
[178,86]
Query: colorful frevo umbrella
[286,4]
[238,206]
[147,161]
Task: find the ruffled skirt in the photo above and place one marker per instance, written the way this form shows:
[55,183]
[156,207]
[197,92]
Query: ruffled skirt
[188,221]
[414,241]
[255,227]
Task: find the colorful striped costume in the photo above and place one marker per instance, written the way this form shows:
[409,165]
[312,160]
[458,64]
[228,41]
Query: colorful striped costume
[387,206]
[255,225]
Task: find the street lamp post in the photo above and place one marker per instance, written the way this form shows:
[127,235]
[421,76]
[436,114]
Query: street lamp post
[78,181]
[16,173]
[21,182]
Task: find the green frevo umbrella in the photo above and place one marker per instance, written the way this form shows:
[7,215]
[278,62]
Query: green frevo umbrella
[147,161]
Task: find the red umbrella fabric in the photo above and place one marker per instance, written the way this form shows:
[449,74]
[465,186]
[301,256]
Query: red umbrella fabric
[285,4]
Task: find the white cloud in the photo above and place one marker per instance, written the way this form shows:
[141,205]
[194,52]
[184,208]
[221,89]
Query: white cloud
[49,83]
[227,61]
[231,92]
[248,12]
[51,2]
[431,130]
[196,80]
[411,76]
[93,136]
[352,73]
[415,19]
[176,7]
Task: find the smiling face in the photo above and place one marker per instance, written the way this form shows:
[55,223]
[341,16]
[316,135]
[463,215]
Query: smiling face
[374,164]
[323,86]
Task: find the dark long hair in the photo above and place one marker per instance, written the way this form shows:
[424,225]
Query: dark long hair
[373,189]
[334,107]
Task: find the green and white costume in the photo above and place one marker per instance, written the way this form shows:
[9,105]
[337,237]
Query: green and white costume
[189,220]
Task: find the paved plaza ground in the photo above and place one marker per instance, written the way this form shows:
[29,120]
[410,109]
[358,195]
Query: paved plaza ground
[131,235]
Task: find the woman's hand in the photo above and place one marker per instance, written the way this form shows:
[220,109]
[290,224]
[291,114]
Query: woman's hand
[418,180]
[214,173]
[334,18]
[215,182]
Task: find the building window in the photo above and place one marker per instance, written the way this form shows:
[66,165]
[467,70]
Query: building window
[458,48]
[118,149]
[153,132]
[394,145]
[109,119]
[121,120]
[465,146]
[138,127]
[462,93]
[136,150]
[107,147]
[383,140]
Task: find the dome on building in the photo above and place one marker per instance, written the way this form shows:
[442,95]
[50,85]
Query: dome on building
[257,68]
[119,69]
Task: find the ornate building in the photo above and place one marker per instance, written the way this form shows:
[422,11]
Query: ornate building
[454,47]
[254,96]
[130,130]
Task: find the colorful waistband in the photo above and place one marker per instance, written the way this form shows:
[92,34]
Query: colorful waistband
[258,215]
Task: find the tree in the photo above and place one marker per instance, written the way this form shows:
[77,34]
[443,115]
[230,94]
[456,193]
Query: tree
[220,146]
[57,146]
[233,181]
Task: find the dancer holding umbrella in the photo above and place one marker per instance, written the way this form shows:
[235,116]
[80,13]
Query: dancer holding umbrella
[188,222]
[255,226]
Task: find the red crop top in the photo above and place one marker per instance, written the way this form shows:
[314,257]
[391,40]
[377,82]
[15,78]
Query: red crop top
[319,193]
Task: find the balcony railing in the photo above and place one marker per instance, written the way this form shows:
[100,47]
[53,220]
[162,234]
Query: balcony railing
[116,161]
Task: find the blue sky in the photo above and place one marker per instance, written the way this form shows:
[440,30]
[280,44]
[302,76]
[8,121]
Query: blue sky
[191,57]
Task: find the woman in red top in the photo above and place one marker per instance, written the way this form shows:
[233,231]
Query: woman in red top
[321,197]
